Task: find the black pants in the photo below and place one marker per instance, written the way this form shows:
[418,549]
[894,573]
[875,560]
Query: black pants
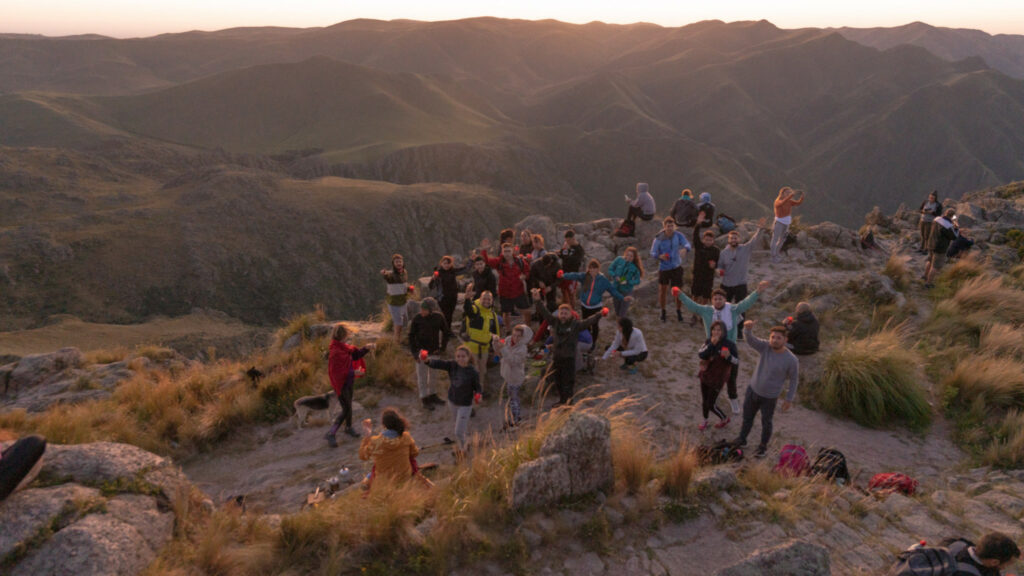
[635,212]
[17,462]
[630,360]
[595,330]
[709,392]
[345,398]
[752,404]
[448,311]
[565,377]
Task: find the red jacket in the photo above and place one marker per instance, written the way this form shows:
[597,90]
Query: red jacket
[510,285]
[339,364]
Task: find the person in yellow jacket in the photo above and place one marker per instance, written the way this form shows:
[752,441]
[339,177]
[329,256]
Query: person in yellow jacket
[393,451]
[481,324]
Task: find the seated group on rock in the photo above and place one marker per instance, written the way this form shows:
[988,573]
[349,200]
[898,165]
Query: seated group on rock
[565,293]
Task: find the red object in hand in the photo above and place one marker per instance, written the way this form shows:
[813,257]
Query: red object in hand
[675,291]
[423,355]
[502,340]
[604,311]
[412,288]
[477,398]
[721,272]
[560,274]
[436,273]
[789,319]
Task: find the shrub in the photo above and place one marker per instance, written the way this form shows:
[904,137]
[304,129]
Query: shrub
[677,471]
[873,381]
[1003,340]
[977,305]
[991,383]
[896,269]
[391,365]
[300,324]
[1006,449]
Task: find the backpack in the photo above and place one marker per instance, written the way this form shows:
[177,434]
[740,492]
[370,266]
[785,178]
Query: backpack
[726,223]
[830,464]
[626,229]
[893,481]
[793,460]
[921,560]
[720,452]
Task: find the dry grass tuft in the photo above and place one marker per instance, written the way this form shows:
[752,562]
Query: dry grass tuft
[677,471]
[391,366]
[897,270]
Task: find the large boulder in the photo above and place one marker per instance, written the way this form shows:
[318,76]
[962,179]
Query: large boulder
[35,369]
[586,442]
[110,463]
[832,235]
[793,559]
[877,289]
[541,481]
[543,225]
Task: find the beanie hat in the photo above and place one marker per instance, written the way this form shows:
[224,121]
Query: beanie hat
[641,187]
[705,197]
[429,304]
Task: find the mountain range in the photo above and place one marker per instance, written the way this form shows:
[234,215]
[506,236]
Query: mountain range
[218,149]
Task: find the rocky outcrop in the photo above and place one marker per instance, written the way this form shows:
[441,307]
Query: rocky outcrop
[794,559]
[106,509]
[576,459]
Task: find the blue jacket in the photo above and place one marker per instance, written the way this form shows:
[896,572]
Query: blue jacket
[625,275]
[592,291]
[670,246]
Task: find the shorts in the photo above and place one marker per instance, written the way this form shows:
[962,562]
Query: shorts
[510,305]
[938,260]
[673,277]
[399,315]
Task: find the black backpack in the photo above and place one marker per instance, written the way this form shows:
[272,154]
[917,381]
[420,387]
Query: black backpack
[920,560]
[831,465]
[720,452]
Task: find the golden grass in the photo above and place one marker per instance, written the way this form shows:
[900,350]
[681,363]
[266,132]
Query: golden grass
[106,356]
[1006,448]
[981,384]
[677,470]
[633,458]
[1003,340]
[978,304]
[391,366]
[897,270]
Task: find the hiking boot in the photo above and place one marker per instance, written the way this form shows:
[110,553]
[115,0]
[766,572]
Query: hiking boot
[352,432]
[435,399]
[664,316]
[427,403]
[735,403]
[703,426]
[723,423]
[331,440]
[761,451]
[679,315]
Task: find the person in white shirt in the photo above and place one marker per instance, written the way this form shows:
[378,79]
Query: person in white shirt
[628,343]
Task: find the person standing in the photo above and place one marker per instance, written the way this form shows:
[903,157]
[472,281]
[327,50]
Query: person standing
[733,264]
[483,278]
[464,390]
[626,271]
[669,248]
[525,242]
[783,208]
[513,368]
[427,331]
[593,286]
[705,263]
[930,210]
[718,358]
[481,324]
[513,272]
[776,366]
[572,256]
[544,275]
[642,206]
[445,283]
[341,372]
[565,331]
[943,233]
[397,280]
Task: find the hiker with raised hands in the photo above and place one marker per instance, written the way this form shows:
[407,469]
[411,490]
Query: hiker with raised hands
[718,358]
[733,265]
[629,344]
[571,255]
[445,283]
[398,288]
[513,368]
[481,323]
[565,331]
[427,331]
[513,272]
[730,315]
[705,263]
[593,286]
[776,366]
[783,208]
[465,388]
[669,248]
[626,271]
[341,371]
[544,275]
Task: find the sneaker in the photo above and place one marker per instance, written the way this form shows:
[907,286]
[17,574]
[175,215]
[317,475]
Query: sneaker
[664,316]
[723,423]
[448,440]
[331,440]
[761,451]
[735,403]
[679,315]
[352,432]
[427,404]
[703,426]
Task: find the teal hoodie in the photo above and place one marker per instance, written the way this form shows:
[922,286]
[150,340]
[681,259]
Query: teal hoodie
[707,313]
[592,291]
[625,274]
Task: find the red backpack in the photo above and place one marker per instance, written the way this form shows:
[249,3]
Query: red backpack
[793,460]
[627,229]
[893,482]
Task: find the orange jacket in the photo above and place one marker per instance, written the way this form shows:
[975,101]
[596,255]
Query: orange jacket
[390,455]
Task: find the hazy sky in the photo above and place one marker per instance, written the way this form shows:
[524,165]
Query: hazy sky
[126,18]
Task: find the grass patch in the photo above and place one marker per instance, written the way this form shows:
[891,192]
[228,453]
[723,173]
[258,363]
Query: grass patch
[676,471]
[391,366]
[897,270]
[874,382]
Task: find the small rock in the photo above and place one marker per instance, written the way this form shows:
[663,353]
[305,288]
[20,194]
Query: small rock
[794,559]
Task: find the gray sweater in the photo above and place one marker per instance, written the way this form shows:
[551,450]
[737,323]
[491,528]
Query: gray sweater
[773,369]
[736,261]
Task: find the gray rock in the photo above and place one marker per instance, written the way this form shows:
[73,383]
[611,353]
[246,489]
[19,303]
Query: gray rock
[107,462]
[29,512]
[585,441]
[588,563]
[99,544]
[978,488]
[37,368]
[540,224]
[833,235]
[793,559]
[715,479]
[877,288]
[541,481]
[1001,501]
[293,342]
[142,513]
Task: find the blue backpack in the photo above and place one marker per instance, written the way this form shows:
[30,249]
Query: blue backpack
[726,223]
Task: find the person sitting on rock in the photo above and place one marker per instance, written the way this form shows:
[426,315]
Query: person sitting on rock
[393,451]
[961,245]
[706,208]
[684,211]
[642,206]
[994,552]
[628,343]
[802,330]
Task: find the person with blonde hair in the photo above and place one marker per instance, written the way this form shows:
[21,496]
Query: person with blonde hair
[783,207]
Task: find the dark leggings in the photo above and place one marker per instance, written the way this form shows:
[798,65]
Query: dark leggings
[345,398]
[595,329]
[709,394]
[565,377]
[630,360]
[448,310]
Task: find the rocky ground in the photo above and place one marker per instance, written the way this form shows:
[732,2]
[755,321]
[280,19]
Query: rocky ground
[735,510]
